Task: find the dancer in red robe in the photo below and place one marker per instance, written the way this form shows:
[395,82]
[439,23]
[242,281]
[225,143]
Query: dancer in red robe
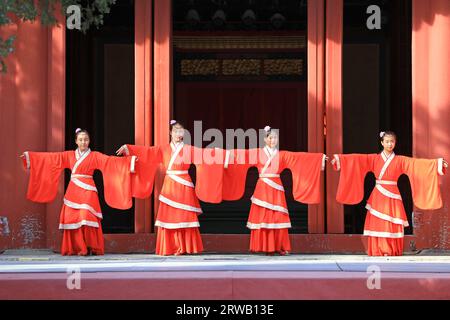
[386,217]
[177,218]
[269,217]
[81,214]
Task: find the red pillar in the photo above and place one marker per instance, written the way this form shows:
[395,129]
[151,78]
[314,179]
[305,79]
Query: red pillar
[333,98]
[316,52]
[163,70]
[163,85]
[143,98]
[56,116]
[431,108]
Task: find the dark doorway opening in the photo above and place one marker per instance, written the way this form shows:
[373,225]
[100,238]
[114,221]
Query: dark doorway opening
[243,73]
[377,90]
[100,95]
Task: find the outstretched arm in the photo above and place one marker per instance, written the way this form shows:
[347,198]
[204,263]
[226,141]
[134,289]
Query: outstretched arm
[306,168]
[353,170]
[424,175]
[116,172]
[150,159]
[45,170]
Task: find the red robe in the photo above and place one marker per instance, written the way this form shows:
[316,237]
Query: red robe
[81,213]
[177,221]
[269,217]
[386,217]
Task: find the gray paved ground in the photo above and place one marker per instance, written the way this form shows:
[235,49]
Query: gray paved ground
[12,261]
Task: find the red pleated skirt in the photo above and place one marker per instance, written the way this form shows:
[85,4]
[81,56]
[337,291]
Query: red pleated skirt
[270,240]
[83,241]
[384,246]
[178,241]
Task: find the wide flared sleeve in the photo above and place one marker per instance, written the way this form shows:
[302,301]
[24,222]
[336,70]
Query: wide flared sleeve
[423,176]
[353,170]
[149,159]
[306,171]
[209,173]
[237,163]
[45,170]
[116,172]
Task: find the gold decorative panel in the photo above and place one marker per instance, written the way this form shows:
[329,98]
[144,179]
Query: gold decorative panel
[250,67]
[283,67]
[204,67]
[239,42]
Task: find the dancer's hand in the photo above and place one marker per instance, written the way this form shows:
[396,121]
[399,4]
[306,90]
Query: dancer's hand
[22,156]
[333,161]
[122,150]
[445,164]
